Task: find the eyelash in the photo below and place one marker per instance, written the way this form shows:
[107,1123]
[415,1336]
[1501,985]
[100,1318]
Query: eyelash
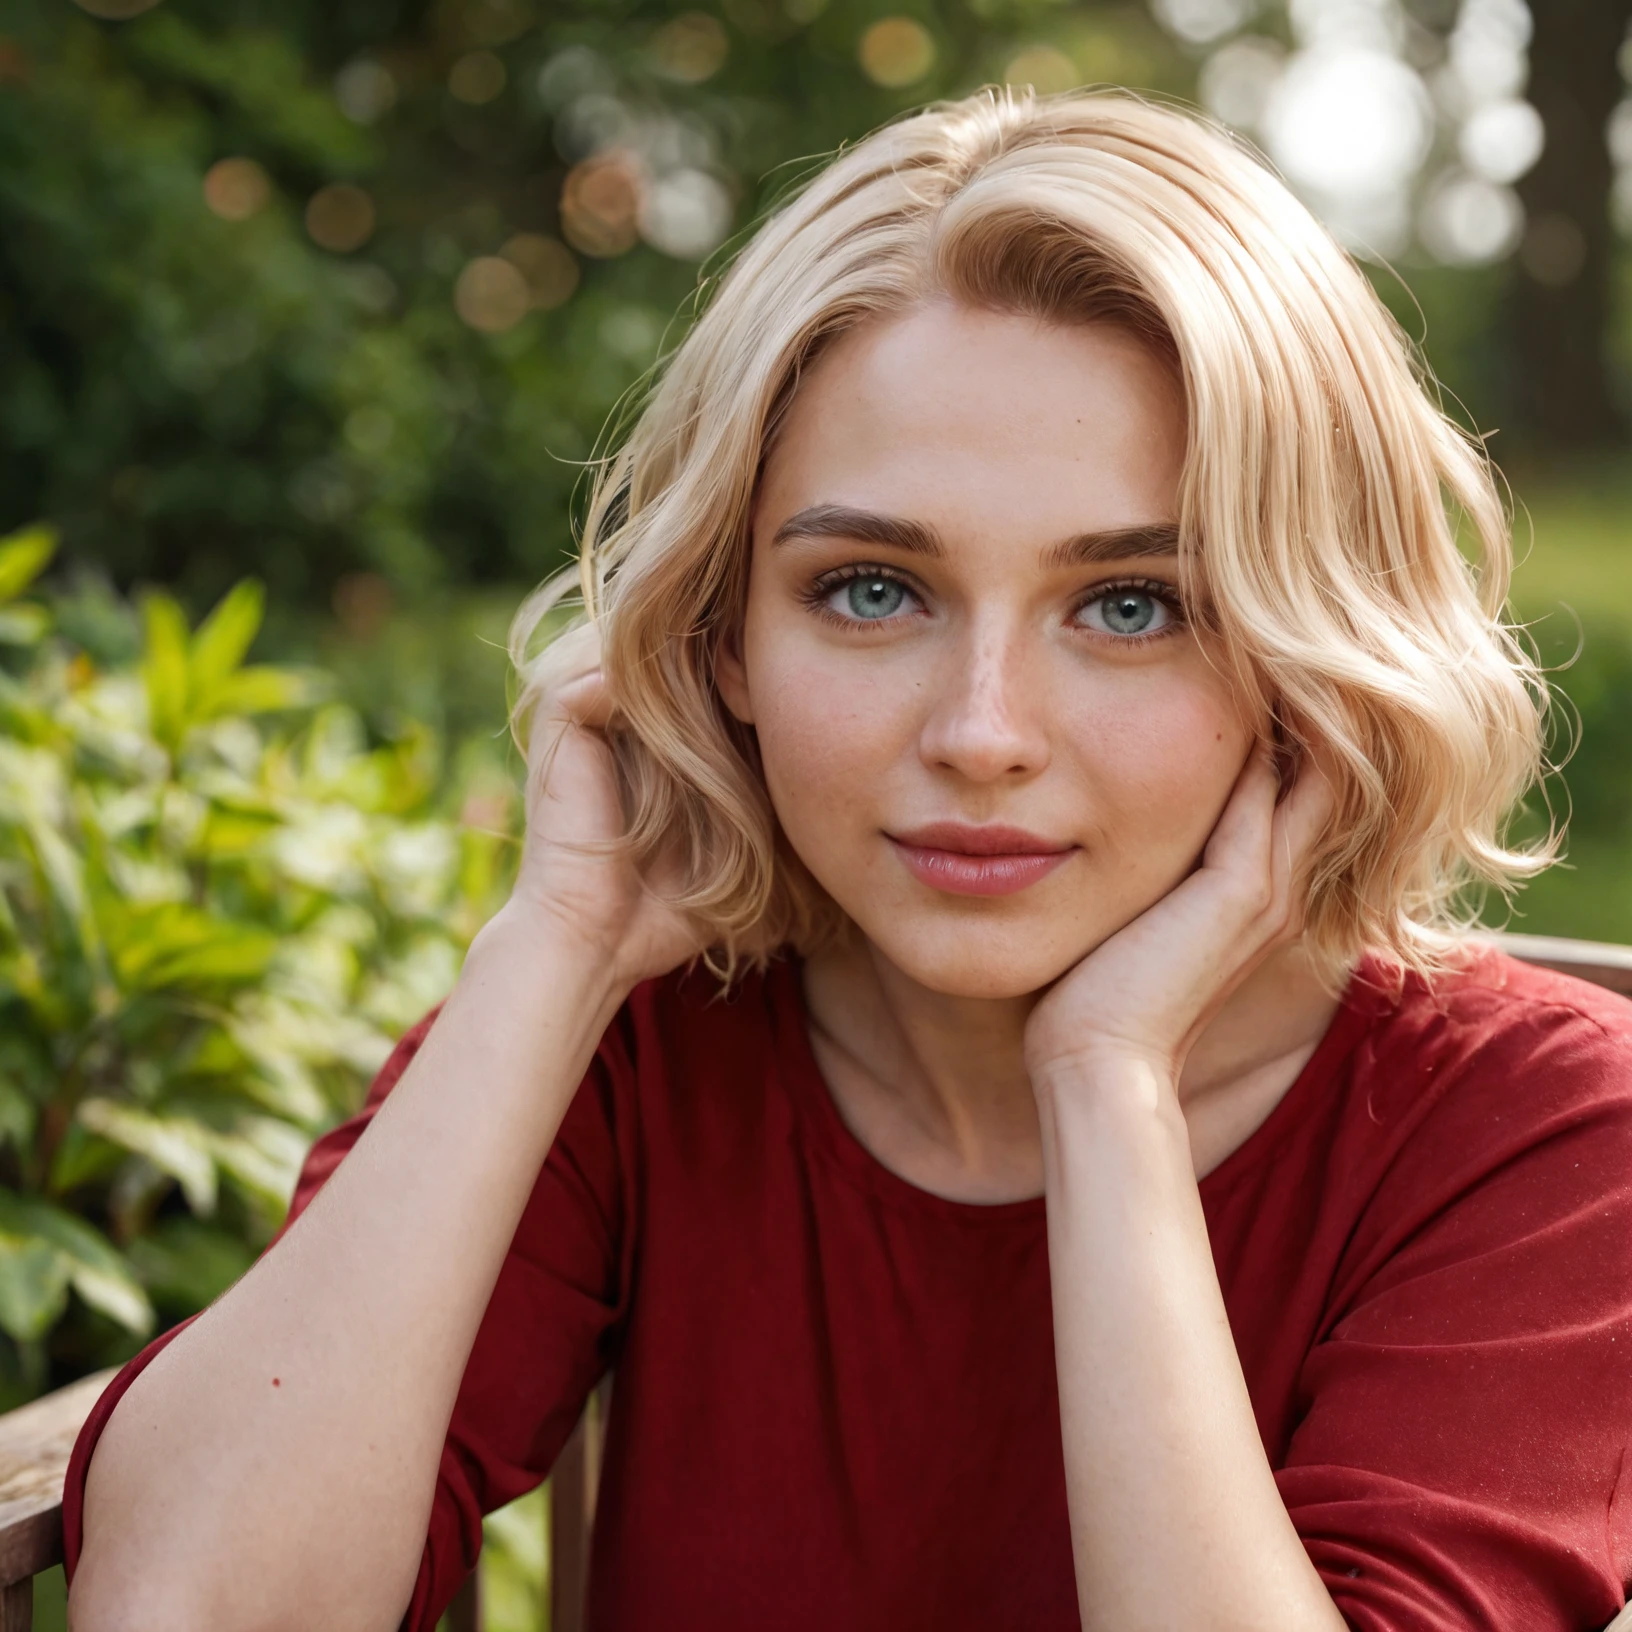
[822,588]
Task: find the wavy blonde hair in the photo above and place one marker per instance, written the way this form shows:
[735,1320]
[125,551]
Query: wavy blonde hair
[1323,499]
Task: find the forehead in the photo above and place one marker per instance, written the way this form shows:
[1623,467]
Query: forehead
[959,416]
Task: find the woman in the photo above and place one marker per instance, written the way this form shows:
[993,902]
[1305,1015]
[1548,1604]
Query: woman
[1035,663]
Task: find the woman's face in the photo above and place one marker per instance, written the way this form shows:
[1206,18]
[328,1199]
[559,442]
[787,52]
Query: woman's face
[985,726]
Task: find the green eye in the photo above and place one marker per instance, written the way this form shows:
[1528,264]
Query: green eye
[873,597]
[1126,611]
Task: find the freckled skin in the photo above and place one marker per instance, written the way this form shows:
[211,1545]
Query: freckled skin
[990,703]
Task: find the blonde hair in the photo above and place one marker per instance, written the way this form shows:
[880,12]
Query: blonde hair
[1321,504]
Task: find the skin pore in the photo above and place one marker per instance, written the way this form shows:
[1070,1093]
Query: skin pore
[964,608]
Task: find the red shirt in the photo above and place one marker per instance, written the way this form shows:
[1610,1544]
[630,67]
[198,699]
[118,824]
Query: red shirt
[835,1401]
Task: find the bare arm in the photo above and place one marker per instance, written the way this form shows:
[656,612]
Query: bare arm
[274,1468]
[1176,1519]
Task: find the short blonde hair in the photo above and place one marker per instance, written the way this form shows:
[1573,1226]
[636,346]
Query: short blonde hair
[1322,502]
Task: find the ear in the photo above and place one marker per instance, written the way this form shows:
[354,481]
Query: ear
[731,678]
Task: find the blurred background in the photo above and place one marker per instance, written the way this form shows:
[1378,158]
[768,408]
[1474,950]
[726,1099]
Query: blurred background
[311,314]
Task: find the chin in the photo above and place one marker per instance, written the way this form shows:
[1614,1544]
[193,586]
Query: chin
[977,961]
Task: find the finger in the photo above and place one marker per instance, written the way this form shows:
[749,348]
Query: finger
[1306,812]
[1301,821]
[1241,836]
[585,700]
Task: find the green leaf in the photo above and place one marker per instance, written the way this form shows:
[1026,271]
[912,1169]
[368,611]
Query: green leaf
[263,1157]
[96,1271]
[34,1279]
[170,944]
[174,1145]
[18,1115]
[186,1265]
[23,625]
[225,636]
[165,668]
[23,556]
[262,689]
[83,1160]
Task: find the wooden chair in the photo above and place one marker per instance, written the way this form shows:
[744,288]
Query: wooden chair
[36,1439]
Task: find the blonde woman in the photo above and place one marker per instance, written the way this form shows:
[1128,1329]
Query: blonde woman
[1027,651]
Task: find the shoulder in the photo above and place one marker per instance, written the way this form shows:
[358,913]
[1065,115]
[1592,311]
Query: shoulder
[1497,1088]
[1511,1036]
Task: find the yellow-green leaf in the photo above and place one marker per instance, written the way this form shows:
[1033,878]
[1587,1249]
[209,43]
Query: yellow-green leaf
[165,668]
[225,635]
[23,557]
[260,689]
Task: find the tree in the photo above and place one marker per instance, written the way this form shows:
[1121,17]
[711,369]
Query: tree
[1562,307]
[317,290]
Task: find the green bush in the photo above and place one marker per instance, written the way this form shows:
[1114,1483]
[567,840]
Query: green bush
[218,905]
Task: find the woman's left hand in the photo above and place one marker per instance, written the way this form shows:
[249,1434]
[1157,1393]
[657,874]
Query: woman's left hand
[1149,990]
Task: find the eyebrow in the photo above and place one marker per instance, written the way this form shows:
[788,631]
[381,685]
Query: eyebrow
[917,538]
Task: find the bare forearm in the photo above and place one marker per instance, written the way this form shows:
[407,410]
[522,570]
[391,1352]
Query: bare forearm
[274,1467]
[1175,1516]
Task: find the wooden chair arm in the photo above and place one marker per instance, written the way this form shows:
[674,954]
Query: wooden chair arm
[35,1443]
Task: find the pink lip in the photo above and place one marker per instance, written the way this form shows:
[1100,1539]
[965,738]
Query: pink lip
[977,860]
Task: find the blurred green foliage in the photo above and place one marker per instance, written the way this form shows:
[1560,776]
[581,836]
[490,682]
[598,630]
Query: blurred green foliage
[218,907]
[191,383]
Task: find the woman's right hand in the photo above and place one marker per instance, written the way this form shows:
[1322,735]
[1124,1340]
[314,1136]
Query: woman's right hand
[575,875]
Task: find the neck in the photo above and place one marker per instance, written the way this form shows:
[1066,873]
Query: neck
[935,1086]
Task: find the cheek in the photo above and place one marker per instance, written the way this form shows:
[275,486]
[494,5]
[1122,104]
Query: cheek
[825,734]
[1163,765]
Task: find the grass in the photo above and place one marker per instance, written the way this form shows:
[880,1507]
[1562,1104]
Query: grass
[1574,541]
[1573,588]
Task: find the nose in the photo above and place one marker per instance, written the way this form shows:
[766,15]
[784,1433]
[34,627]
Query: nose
[987,724]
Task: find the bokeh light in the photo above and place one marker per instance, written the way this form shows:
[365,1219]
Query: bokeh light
[1469,220]
[1553,250]
[547,265]
[1349,121]
[1351,128]
[1043,67]
[1236,80]
[340,217]
[691,47]
[1486,50]
[486,22]
[685,213]
[491,295]
[896,51]
[116,11]
[600,204]
[1501,140]
[236,189]
[1203,21]
[477,78]
[370,430]
[365,90]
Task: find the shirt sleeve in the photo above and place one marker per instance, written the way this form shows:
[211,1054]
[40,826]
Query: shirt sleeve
[547,1336]
[1461,1460]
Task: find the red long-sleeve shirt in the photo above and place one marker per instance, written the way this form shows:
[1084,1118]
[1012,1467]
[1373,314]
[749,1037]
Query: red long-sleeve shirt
[836,1403]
